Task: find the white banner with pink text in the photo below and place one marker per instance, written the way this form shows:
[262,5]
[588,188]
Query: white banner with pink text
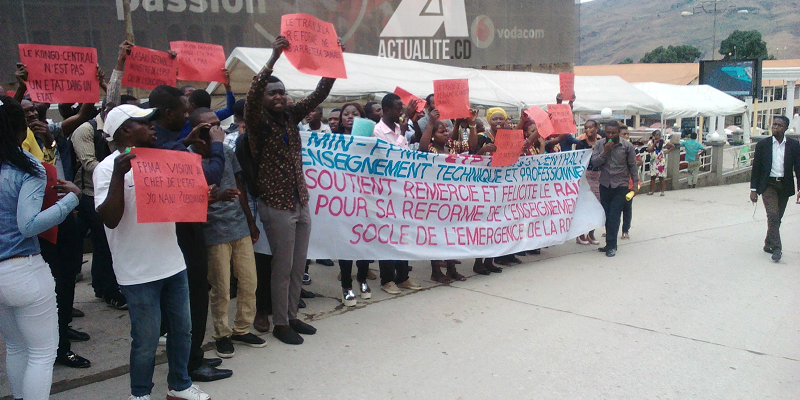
[371,200]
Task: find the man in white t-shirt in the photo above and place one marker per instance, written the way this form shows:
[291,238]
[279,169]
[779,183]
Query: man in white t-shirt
[147,261]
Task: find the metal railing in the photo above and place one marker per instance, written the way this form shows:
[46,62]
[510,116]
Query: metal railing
[738,157]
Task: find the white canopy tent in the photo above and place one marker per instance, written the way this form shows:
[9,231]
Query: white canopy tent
[509,89]
[692,100]
[593,93]
[366,75]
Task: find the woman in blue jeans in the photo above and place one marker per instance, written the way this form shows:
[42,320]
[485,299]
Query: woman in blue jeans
[28,320]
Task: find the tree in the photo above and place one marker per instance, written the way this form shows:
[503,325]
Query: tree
[742,45]
[627,61]
[672,54]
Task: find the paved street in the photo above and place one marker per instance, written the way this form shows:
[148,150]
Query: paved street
[690,308]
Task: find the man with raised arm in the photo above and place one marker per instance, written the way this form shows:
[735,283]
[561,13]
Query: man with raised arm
[282,193]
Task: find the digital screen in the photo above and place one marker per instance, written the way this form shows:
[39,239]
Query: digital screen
[736,78]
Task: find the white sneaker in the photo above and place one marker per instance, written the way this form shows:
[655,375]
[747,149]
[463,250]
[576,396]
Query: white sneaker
[191,393]
[145,397]
[162,340]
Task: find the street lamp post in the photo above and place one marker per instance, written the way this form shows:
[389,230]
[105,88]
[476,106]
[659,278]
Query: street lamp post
[711,7]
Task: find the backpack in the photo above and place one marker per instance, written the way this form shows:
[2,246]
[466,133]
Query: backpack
[101,150]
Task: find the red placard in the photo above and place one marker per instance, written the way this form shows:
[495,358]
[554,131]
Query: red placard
[313,46]
[407,97]
[567,82]
[61,74]
[451,98]
[509,144]
[147,68]
[201,62]
[562,119]
[170,186]
[542,121]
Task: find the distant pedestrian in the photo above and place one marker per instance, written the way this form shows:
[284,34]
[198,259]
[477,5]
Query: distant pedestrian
[658,150]
[693,149]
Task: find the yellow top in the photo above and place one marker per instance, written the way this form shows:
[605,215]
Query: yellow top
[32,147]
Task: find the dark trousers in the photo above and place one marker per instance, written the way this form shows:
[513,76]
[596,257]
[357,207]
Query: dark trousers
[775,203]
[104,281]
[346,268]
[613,200]
[392,271]
[627,215]
[65,259]
[193,246]
[264,276]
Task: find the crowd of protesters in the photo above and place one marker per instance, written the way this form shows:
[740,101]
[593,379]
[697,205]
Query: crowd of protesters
[258,225]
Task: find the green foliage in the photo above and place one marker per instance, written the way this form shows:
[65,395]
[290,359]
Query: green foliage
[627,61]
[742,45]
[672,54]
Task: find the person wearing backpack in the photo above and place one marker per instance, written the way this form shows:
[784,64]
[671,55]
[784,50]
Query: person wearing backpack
[90,146]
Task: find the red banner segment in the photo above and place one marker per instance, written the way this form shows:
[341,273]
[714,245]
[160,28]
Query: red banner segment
[202,62]
[567,82]
[147,68]
[407,97]
[313,46]
[61,74]
[170,186]
[451,98]
[561,118]
[542,121]
[509,144]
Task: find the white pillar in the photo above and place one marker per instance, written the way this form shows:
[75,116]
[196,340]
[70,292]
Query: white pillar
[746,121]
[790,99]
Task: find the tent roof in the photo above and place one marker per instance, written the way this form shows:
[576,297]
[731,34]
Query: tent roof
[510,89]
[690,101]
[677,74]
[366,75]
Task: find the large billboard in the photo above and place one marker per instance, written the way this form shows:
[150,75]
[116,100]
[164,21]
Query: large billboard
[467,33]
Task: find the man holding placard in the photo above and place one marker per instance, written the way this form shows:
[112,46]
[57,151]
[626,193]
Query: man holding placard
[153,282]
[282,192]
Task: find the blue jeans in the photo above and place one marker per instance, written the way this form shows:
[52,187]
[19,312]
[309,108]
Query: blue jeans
[146,302]
[613,201]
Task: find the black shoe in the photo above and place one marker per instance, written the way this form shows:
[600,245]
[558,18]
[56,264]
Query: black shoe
[768,249]
[306,278]
[72,360]
[602,249]
[212,362]
[499,261]
[776,255]
[77,313]
[535,252]
[611,252]
[301,304]
[305,294]
[286,334]
[302,327]
[224,348]
[489,266]
[325,262]
[512,259]
[76,336]
[209,374]
[116,301]
[248,339]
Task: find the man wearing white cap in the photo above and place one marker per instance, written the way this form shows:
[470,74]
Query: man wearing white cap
[147,261]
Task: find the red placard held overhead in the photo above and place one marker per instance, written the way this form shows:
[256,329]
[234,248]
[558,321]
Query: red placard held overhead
[313,46]
[451,98]
[202,62]
[561,118]
[170,186]
[61,74]
[567,82]
[509,144]
[147,68]
[407,97]
[542,121]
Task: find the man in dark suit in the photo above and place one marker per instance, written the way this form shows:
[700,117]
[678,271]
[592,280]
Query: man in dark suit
[776,159]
